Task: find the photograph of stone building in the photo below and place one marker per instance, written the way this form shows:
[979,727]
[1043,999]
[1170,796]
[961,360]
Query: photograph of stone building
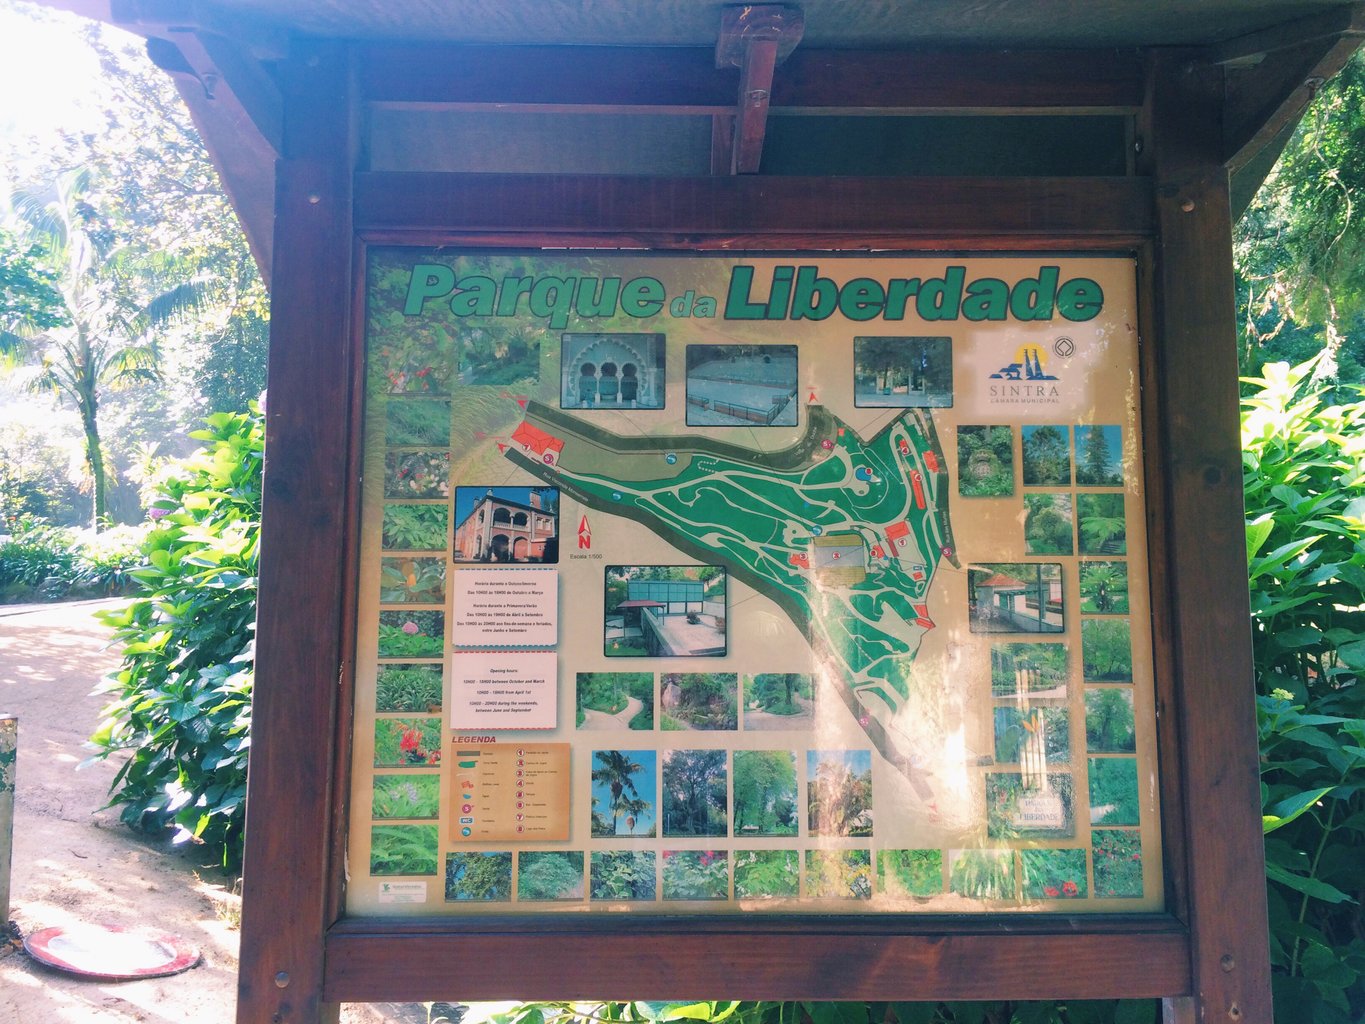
[506,524]
[612,371]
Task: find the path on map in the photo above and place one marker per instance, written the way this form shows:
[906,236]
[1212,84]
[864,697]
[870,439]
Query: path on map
[601,721]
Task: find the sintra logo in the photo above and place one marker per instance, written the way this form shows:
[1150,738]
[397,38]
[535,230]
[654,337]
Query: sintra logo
[1026,380]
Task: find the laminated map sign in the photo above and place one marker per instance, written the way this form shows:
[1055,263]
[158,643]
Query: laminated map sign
[823,579]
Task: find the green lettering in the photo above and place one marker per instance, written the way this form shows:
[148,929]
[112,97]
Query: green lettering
[1033,298]
[987,299]
[428,281]
[475,297]
[899,291]
[644,296]
[552,297]
[861,299]
[513,288]
[737,303]
[814,297]
[1080,299]
[598,297]
[940,298]
[779,295]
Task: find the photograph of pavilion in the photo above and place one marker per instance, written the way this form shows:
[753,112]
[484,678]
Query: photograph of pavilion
[665,611]
[903,373]
[741,386]
[611,371]
[507,524]
[1015,597]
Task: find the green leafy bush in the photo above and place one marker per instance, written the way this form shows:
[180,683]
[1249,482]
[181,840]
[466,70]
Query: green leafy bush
[41,562]
[181,703]
[1304,461]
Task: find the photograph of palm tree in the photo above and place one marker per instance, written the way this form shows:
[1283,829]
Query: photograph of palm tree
[624,788]
[839,792]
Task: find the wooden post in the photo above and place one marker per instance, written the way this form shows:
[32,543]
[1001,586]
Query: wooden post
[9,752]
[288,900]
[1205,539]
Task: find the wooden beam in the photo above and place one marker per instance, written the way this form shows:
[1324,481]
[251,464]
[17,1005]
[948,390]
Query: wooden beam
[685,80]
[288,898]
[1012,210]
[751,123]
[1266,97]
[1195,337]
[777,958]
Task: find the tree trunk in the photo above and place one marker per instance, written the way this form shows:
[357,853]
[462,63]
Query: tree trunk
[94,461]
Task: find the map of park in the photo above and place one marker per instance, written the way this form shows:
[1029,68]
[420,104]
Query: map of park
[843,533]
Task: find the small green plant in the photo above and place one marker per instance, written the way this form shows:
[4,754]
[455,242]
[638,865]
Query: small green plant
[406,796]
[410,527]
[408,688]
[403,850]
[910,872]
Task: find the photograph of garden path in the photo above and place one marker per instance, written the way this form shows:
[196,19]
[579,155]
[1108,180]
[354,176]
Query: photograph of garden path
[608,701]
[779,700]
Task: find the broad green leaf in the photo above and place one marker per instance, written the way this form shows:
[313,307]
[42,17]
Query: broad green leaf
[1308,886]
[1287,810]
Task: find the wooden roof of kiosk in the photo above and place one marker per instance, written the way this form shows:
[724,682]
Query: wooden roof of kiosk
[1008,125]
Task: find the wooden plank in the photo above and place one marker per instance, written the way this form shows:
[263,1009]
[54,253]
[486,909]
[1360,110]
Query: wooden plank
[1206,550]
[1272,95]
[722,143]
[685,79]
[755,86]
[772,959]
[304,526]
[912,208]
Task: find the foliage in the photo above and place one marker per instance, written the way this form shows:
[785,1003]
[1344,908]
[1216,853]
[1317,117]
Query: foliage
[1048,526]
[839,793]
[1104,531]
[694,800]
[911,872]
[702,700]
[1104,588]
[181,702]
[622,875]
[765,793]
[985,461]
[44,562]
[1107,650]
[1047,456]
[778,693]
[35,478]
[483,877]
[406,796]
[403,850]
[550,875]
[1109,727]
[611,693]
[28,288]
[616,771]
[767,874]
[1304,463]
[408,688]
[414,527]
[696,875]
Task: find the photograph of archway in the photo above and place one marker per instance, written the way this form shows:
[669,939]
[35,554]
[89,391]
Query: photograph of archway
[741,386]
[664,611]
[1015,597]
[507,524]
[612,371]
[903,373]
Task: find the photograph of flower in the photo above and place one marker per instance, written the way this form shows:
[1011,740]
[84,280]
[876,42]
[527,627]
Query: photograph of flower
[411,634]
[1118,863]
[407,742]
[407,580]
[696,875]
[1053,874]
[417,474]
[406,796]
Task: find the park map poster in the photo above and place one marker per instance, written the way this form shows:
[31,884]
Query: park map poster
[746,584]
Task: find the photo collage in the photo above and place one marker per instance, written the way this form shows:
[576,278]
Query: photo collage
[722,617]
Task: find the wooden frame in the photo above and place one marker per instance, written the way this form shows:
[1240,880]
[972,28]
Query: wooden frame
[1207,954]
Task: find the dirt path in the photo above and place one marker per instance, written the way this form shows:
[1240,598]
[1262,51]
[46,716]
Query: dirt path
[602,721]
[756,720]
[75,864]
